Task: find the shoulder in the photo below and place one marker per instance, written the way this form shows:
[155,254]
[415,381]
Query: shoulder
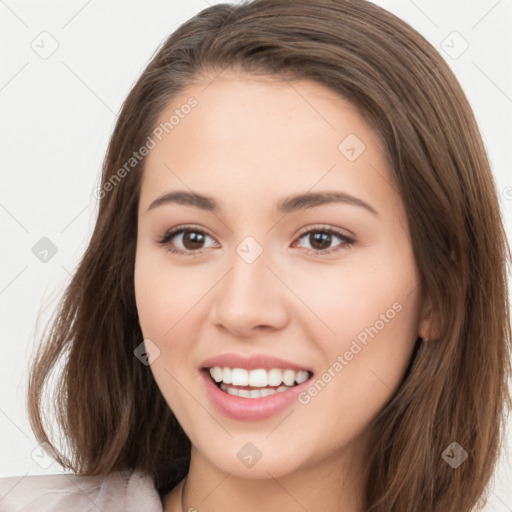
[121,491]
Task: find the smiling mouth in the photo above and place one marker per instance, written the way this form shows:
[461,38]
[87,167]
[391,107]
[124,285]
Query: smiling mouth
[256,383]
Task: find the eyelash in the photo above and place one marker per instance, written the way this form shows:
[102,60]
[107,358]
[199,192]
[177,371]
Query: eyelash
[169,235]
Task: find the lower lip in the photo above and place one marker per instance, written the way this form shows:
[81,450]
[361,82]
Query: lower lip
[250,409]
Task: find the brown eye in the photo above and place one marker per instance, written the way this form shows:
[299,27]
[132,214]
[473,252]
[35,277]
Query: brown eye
[192,239]
[186,241]
[320,240]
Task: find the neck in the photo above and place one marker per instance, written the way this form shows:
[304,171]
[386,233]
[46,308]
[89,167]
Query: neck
[333,484]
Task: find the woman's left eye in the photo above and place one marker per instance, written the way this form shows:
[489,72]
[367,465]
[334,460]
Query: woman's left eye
[191,240]
[322,237]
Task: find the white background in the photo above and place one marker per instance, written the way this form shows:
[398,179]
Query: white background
[58,114]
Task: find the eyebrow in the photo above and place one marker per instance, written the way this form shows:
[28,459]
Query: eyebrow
[286,205]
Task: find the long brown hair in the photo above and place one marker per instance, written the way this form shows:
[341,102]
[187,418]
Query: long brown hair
[455,390]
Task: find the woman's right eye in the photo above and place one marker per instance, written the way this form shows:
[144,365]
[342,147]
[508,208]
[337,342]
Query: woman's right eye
[189,238]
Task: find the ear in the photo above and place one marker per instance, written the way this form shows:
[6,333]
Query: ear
[428,325]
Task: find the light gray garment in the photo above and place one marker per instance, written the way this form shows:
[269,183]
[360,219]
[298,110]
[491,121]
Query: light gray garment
[121,491]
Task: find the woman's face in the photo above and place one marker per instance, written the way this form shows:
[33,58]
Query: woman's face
[328,286]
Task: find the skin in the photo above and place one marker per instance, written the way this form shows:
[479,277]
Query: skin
[250,142]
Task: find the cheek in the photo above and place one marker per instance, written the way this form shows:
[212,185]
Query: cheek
[350,297]
[374,323]
[165,297]
[171,308]
[164,294]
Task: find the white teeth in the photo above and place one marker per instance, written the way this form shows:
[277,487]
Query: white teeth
[253,393]
[275,377]
[289,377]
[239,377]
[216,373]
[226,375]
[229,390]
[301,376]
[259,378]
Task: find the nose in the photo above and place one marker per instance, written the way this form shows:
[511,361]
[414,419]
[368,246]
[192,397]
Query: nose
[250,297]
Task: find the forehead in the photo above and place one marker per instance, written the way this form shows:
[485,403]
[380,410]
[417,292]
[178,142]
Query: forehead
[231,106]
[262,134]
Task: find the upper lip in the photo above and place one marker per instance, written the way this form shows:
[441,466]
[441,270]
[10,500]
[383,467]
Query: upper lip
[251,362]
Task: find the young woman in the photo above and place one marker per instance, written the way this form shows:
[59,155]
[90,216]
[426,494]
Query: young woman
[295,296]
